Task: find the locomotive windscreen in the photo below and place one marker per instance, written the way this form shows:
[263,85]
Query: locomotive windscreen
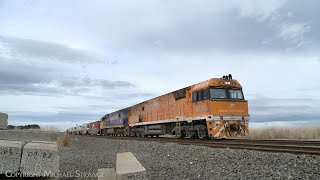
[226,94]
[235,94]
[218,93]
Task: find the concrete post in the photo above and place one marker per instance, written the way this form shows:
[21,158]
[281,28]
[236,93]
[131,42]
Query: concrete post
[40,158]
[10,155]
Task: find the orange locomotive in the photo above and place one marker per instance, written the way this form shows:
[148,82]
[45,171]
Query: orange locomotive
[215,108]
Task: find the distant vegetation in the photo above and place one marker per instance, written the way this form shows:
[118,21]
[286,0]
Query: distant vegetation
[35,127]
[49,128]
[31,126]
[285,133]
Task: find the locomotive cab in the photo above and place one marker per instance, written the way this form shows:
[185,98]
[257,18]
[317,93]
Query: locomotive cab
[224,103]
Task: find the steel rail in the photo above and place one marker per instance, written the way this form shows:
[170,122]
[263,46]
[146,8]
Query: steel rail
[280,146]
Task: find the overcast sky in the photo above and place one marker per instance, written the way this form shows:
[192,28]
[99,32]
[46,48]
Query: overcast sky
[68,62]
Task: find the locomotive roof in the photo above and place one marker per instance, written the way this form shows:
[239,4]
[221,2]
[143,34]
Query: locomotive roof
[217,83]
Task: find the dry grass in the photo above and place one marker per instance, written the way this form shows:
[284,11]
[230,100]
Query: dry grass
[49,129]
[285,133]
[63,140]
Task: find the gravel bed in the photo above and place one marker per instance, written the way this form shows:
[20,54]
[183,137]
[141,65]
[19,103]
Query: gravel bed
[172,161]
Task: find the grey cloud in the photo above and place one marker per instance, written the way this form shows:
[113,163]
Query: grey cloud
[239,27]
[139,94]
[189,26]
[34,49]
[202,34]
[22,89]
[294,23]
[18,78]
[265,109]
[86,81]
[268,101]
[125,96]
[113,84]
[116,100]
[203,37]
[283,108]
[71,82]
[308,89]
[302,117]
[12,72]
[260,10]
[58,117]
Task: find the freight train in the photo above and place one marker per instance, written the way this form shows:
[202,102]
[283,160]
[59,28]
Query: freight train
[215,108]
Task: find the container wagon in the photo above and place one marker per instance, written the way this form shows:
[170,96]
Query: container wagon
[75,130]
[84,129]
[94,128]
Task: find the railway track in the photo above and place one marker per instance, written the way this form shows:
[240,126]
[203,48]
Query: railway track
[281,146]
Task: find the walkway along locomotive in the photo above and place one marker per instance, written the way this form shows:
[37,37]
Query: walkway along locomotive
[215,108]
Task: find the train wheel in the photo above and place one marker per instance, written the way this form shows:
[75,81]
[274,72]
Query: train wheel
[143,134]
[183,134]
[196,135]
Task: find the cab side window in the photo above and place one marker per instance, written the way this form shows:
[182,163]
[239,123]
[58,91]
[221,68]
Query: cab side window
[200,95]
[206,94]
[194,97]
[180,94]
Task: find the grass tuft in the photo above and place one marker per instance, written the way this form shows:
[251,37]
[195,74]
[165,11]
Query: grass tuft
[63,140]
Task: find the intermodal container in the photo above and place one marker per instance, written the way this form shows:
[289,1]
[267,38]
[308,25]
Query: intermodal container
[95,124]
